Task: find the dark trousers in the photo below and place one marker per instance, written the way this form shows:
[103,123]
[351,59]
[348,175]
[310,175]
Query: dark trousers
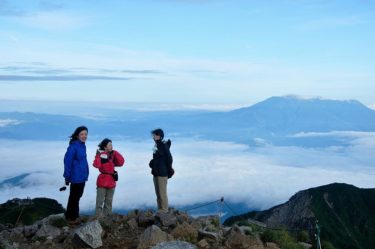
[72,209]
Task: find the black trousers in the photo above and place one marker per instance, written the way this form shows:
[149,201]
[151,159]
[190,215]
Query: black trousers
[72,209]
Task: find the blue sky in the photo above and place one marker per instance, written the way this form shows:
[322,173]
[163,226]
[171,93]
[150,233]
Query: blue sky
[188,51]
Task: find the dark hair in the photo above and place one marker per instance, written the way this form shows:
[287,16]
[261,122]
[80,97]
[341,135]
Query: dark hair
[104,143]
[158,132]
[75,134]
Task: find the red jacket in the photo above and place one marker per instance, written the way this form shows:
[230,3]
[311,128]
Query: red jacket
[107,166]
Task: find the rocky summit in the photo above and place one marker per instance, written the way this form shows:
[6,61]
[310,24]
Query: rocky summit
[136,230]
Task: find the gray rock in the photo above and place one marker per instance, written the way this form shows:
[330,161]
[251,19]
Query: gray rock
[183,217]
[210,235]
[203,244]
[237,240]
[152,236]
[89,234]
[305,245]
[166,219]
[246,229]
[133,225]
[30,231]
[48,231]
[174,245]
[146,219]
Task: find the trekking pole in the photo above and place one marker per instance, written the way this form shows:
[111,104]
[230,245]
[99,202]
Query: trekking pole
[221,209]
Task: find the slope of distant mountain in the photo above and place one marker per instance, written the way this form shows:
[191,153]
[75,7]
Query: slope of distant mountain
[276,120]
[14,181]
[345,213]
[292,114]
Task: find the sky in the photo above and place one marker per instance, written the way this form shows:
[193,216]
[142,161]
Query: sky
[208,52]
[259,177]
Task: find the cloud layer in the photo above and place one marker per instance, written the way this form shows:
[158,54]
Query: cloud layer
[205,171]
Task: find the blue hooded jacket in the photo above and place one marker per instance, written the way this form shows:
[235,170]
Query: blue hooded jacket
[76,167]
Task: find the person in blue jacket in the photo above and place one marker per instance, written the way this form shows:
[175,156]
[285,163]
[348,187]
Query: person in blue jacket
[76,172]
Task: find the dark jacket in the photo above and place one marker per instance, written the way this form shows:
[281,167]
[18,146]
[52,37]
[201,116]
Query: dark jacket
[161,163]
[76,168]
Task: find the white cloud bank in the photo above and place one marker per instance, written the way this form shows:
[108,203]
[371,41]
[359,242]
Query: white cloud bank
[205,170]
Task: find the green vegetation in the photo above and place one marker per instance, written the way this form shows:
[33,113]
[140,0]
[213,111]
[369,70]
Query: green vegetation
[27,211]
[303,236]
[216,222]
[58,222]
[282,238]
[346,215]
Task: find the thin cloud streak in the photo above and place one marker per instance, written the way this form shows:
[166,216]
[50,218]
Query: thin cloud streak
[59,78]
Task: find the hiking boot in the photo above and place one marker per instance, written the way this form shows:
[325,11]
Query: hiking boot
[74,222]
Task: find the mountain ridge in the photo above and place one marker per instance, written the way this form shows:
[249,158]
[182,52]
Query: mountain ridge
[275,120]
[344,212]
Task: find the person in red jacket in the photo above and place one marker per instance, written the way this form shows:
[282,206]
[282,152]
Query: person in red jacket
[106,160]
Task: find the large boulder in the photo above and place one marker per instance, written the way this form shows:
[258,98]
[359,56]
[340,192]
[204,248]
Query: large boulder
[152,236]
[48,231]
[166,219]
[89,234]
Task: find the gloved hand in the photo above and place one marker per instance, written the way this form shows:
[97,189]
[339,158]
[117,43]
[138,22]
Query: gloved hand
[103,158]
[67,182]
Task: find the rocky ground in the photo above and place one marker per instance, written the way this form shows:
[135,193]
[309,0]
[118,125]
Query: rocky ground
[136,230]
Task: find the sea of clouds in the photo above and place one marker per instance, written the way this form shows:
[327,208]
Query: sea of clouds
[259,177]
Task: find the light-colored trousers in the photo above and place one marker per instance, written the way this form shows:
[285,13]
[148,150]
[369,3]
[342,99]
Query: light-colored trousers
[160,184]
[104,198]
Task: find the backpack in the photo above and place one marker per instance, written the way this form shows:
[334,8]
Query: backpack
[170,168]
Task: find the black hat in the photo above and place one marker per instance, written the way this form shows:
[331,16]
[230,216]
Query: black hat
[158,132]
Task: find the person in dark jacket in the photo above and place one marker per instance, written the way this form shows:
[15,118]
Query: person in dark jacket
[76,172]
[106,160]
[161,165]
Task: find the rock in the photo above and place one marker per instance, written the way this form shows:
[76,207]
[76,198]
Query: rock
[133,225]
[203,244]
[246,230]
[146,219]
[152,236]
[47,231]
[183,217]
[89,234]
[209,235]
[305,245]
[132,214]
[211,220]
[174,245]
[271,245]
[29,231]
[237,240]
[210,223]
[166,219]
